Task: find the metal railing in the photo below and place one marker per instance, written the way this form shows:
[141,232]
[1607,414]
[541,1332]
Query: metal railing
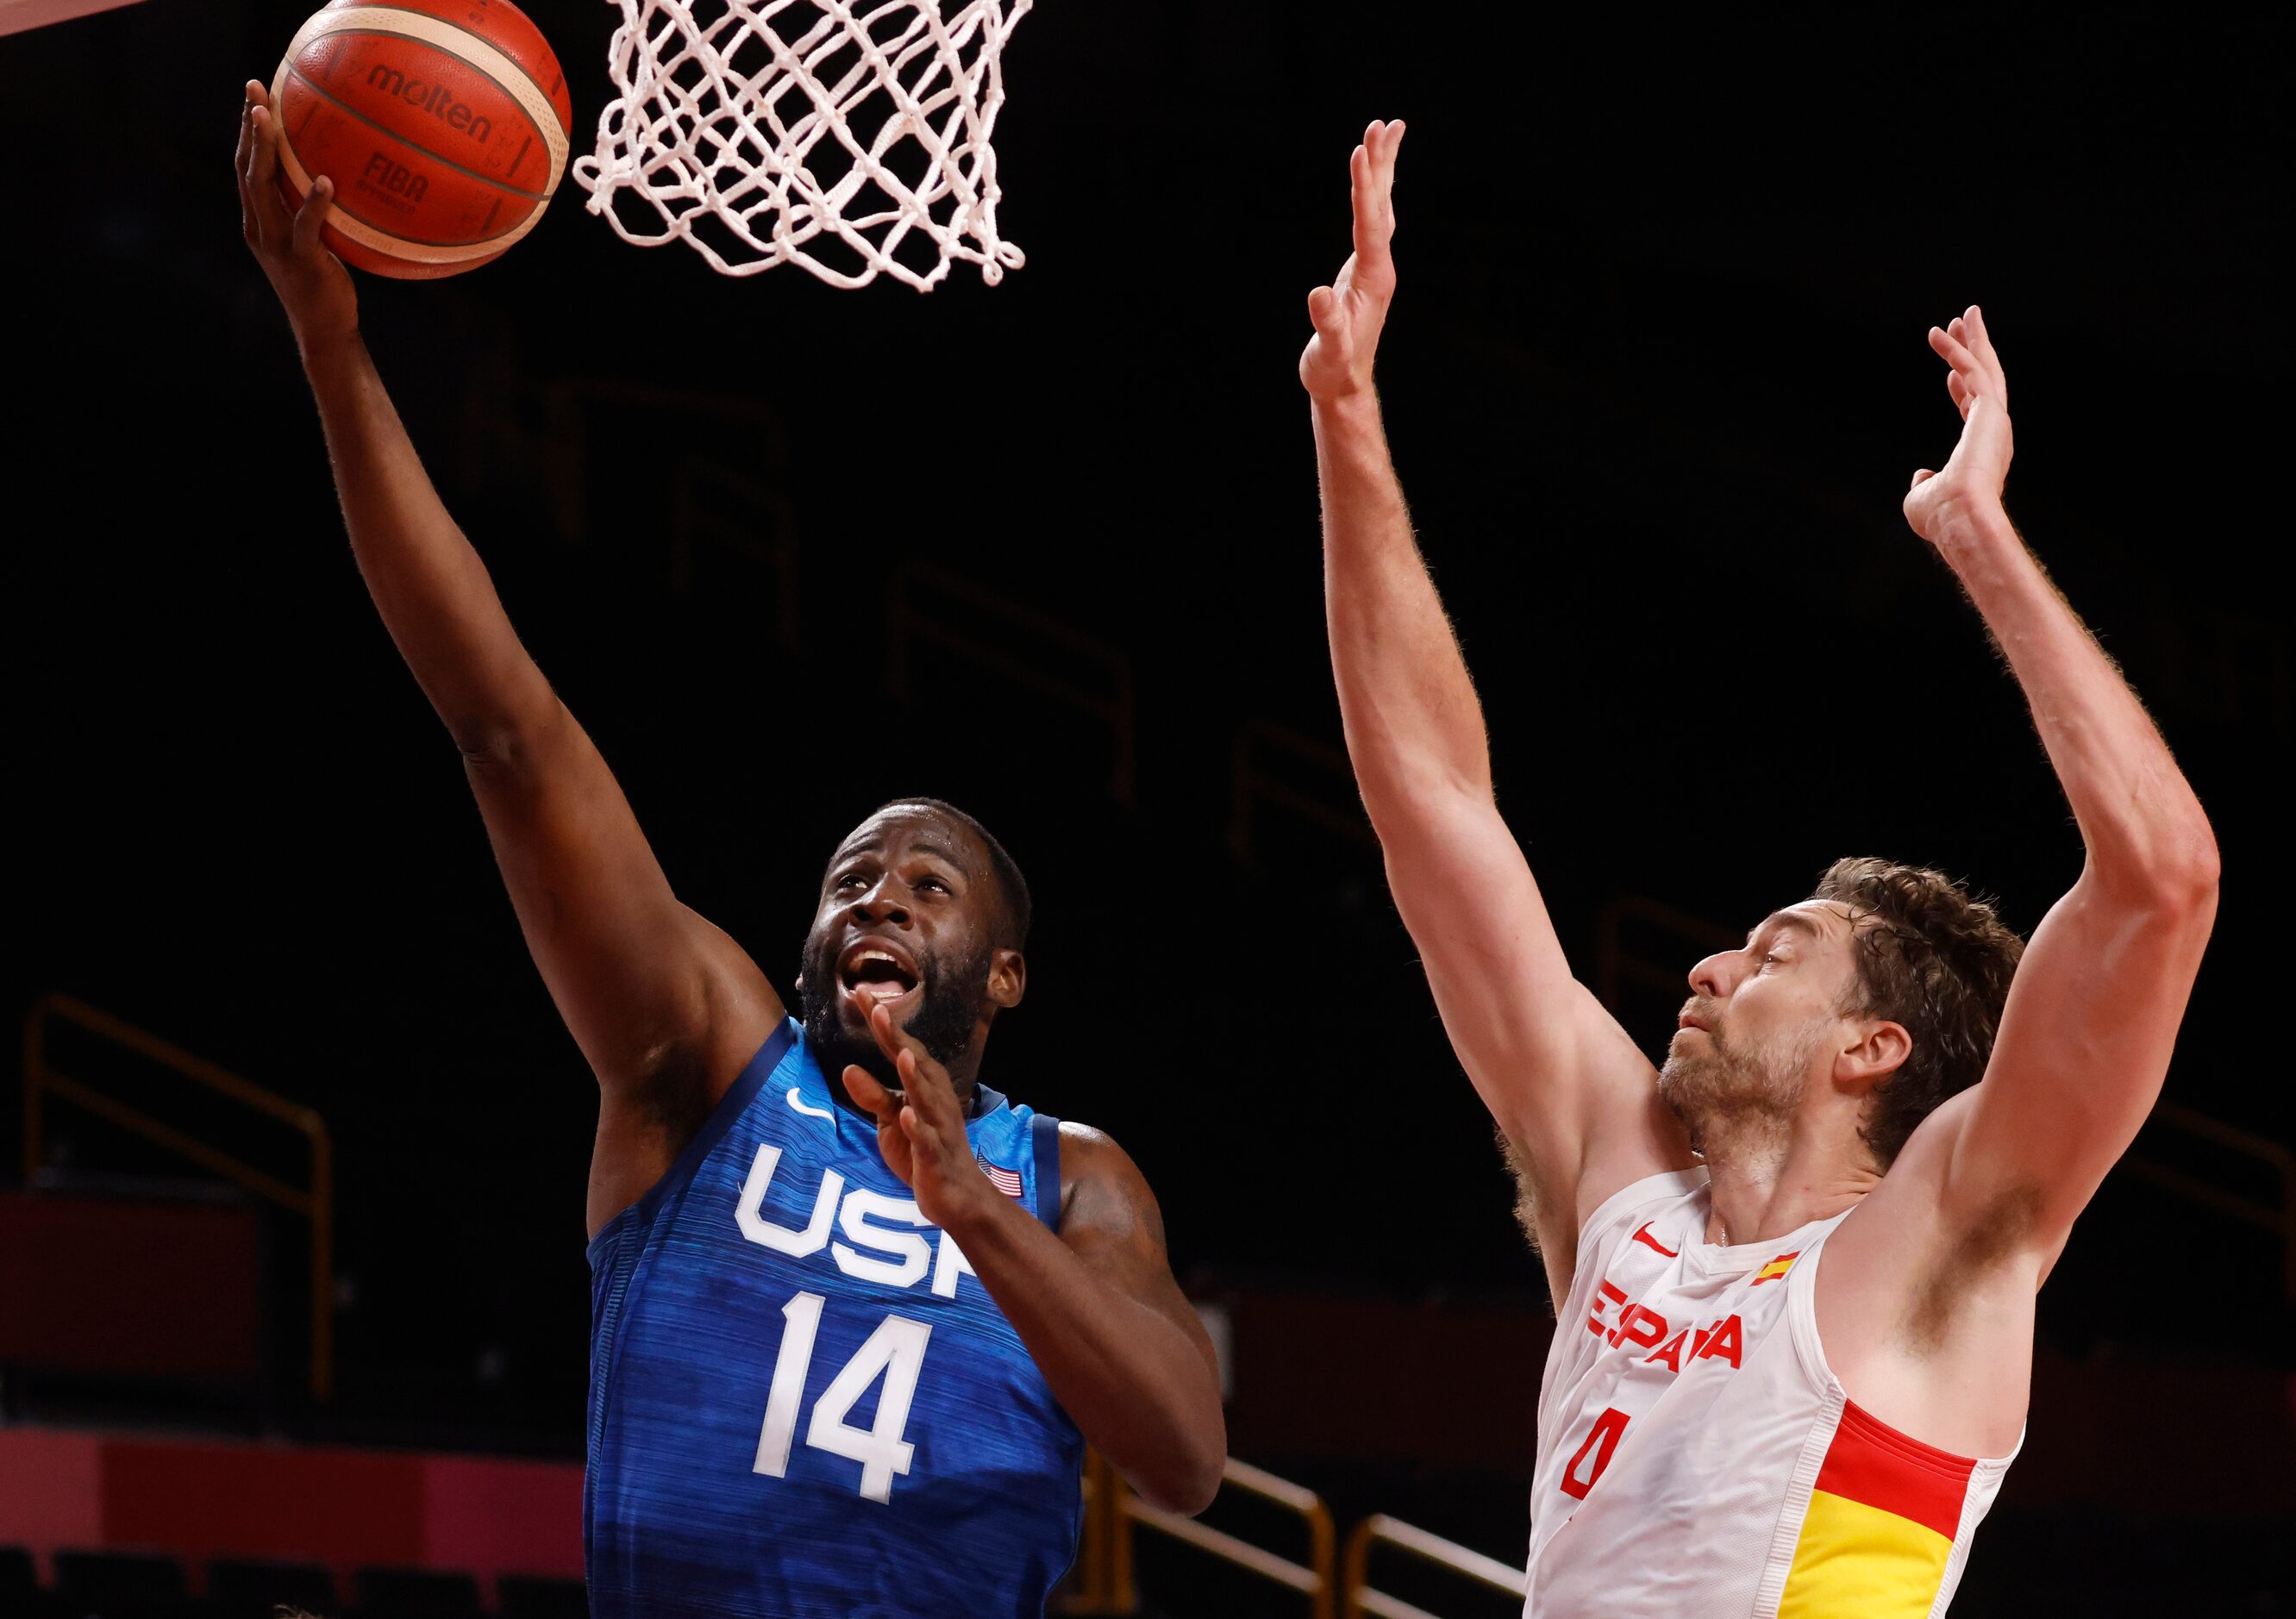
[1105,1582]
[1104,1562]
[1618,966]
[981,636]
[314,1203]
[555,458]
[1318,787]
[1362,1598]
[1094,1576]
[2280,1221]
[720,508]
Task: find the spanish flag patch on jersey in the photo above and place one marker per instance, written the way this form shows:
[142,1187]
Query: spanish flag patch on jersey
[1776,1268]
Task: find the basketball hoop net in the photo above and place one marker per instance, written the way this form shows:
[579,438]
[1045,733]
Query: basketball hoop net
[765,132]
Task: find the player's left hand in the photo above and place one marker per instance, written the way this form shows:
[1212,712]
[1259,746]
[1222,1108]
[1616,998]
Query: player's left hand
[1941,503]
[922,1131]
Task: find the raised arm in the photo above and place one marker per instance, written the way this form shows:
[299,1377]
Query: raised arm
[2092,1015]
[665,1007]
[1576,1102]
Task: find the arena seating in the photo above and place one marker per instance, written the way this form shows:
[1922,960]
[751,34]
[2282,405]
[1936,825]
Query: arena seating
[120,1585]
[520,1597]
[243,1588]
[418,1593]
[20,1584]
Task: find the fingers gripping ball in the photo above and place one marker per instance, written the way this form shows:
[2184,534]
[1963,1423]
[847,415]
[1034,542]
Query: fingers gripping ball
[444,125]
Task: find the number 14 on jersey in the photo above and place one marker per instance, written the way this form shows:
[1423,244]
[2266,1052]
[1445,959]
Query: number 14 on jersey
[896,1352]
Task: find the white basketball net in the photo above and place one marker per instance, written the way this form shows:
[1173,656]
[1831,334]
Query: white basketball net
[765,132]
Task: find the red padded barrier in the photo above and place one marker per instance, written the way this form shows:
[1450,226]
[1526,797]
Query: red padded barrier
[180,1293]
[326,1504]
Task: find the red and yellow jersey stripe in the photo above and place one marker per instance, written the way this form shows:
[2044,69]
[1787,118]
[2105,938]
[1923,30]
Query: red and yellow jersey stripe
[1881,1525]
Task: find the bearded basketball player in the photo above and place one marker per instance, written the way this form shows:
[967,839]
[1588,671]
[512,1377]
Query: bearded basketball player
[1795,1267]
[844,1334]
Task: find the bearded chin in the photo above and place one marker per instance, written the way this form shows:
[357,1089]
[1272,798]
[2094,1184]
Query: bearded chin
[953,997]
[1687,1086]
[1712,1093]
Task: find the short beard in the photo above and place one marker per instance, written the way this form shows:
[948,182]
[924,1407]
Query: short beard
[955,994]
[1735,1095]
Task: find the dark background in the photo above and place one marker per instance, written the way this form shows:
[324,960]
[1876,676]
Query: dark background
[1655,378]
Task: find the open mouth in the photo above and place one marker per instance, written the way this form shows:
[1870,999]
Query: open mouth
[877,971]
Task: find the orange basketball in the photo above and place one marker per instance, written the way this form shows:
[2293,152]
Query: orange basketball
[444,125]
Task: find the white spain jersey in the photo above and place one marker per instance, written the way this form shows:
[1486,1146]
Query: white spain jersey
[1696,1454]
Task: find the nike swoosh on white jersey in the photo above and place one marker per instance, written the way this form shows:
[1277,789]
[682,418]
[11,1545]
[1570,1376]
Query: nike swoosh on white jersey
[810,1112]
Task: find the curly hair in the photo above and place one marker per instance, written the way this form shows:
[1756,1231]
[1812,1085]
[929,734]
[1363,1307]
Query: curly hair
[1939,960]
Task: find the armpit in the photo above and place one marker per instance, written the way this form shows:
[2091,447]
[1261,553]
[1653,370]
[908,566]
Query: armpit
[2002,1229]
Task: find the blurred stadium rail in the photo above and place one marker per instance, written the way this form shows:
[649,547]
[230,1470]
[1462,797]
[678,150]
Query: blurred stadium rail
[187,1271]
[52,1298]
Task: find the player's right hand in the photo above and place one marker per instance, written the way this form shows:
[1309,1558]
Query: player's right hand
[1349,314]
[311,282]
[920,1127]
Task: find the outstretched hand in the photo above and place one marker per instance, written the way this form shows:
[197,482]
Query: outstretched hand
[920,1128]
[1940,504]
[1349,314]
[311,282]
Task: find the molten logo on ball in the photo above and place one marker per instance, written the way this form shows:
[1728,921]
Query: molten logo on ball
[434,99]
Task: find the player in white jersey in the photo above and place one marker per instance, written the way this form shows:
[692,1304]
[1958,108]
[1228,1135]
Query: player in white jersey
[1795,1269]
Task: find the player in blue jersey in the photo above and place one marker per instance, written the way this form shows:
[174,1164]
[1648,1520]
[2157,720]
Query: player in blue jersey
[854,1314]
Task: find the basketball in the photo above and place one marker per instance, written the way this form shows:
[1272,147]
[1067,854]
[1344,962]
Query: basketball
[444,125]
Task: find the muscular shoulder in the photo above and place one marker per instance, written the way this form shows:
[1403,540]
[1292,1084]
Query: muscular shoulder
[1101,1189]
[1915,1228]
[1926,1312]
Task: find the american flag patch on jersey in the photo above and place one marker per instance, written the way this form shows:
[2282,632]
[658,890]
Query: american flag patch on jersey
[1005,1181]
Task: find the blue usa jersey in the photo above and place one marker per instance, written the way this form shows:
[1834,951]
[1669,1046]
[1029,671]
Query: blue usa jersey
[803,1402]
